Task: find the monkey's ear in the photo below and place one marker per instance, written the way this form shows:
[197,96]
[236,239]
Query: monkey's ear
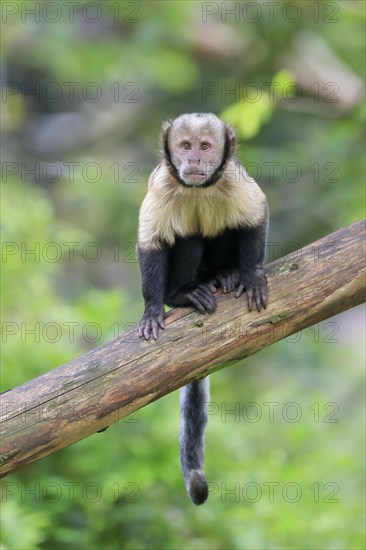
[164,138]
[230,139]
[166,125]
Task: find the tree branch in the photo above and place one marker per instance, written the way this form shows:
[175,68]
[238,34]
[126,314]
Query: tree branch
[87,394]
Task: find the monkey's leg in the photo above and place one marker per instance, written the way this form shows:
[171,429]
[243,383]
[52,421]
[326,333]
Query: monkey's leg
[251,252]
[153,267]
[185,286]
[193,406]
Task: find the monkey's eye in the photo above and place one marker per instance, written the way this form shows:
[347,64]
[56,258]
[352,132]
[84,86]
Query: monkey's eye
[186,145]
[205,146]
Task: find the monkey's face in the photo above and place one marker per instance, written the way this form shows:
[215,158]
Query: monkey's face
[196,157]
[196,144]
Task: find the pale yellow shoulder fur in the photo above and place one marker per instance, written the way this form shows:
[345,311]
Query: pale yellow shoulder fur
[170,209]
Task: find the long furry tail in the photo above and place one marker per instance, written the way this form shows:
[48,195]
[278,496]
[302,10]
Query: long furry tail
[193,406]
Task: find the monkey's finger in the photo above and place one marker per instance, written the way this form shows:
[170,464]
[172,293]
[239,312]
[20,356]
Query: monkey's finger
[203,290]
[232,283]
[240,290]
[258,299]
[206,292]
[214,282]
[160,320]
[230,280]
[201,308]
[155,329]
[264,297]
[206,299]
[229,284]
[212,287]
[147,330]
[211,307]
[196,302]
[141,330]
[250,298]
[222,282]
[203,300]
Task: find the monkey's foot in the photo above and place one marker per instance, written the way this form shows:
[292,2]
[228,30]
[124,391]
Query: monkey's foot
[150,324]
[255,285]
[228,280]
[202,298]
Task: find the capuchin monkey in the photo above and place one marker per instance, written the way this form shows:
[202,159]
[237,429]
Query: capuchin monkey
[202,226]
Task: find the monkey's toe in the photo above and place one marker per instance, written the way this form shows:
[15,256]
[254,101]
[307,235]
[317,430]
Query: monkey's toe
[203,299]
[228,280]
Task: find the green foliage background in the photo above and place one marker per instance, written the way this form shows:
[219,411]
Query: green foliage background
[294,480]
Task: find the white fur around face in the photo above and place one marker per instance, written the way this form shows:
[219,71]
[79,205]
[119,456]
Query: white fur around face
[171,209]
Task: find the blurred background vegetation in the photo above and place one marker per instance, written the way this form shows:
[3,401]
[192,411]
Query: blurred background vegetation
[85,87]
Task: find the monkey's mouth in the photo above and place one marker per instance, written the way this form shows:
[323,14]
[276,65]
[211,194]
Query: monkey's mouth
[194,178]
[195,174]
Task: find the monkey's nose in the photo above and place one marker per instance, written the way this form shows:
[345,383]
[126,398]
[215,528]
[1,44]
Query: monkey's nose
[194,160]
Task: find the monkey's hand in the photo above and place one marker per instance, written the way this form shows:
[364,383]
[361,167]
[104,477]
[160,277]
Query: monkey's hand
[228,280]
[152,320]
[202,297]
[255,285]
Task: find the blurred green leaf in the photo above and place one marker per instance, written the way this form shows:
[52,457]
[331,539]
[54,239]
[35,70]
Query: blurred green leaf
[248,117]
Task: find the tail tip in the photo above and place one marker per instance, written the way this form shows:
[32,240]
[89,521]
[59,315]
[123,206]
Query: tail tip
[198,488]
